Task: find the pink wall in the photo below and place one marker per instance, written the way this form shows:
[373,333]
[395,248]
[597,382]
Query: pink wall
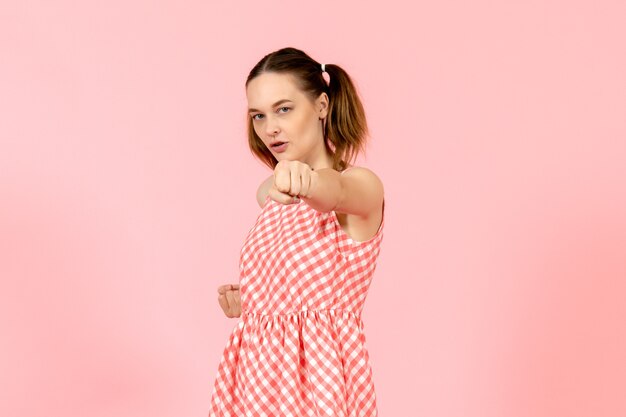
[126,190]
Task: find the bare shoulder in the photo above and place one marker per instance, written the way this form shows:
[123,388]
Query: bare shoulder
[363,191]
[363,174]
[263,190]
[361,210]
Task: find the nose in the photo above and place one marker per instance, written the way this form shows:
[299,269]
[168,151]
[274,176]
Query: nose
[271,126]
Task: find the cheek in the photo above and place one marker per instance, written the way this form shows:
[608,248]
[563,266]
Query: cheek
[312,128]
[260,134]
[306,126]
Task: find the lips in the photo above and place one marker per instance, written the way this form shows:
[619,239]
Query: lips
[279,146]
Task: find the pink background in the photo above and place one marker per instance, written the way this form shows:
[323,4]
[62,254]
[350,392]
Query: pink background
[126,190]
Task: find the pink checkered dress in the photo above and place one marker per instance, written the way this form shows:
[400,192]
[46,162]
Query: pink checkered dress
[299,348]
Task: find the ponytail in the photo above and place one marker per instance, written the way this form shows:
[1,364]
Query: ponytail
[346,126]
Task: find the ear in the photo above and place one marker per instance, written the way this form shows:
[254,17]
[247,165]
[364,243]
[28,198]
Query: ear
[322,105]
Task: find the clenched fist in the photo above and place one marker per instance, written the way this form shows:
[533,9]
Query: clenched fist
[292,179]
[229,300]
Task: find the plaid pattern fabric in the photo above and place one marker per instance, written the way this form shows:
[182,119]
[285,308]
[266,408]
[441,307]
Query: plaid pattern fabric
[299,348]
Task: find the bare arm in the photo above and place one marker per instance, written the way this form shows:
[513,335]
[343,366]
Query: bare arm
[357,191]
[263,189]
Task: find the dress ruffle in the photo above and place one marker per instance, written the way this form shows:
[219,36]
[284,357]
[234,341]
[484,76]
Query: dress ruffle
[293,363]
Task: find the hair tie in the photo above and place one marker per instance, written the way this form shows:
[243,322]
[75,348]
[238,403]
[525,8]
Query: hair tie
[325,74]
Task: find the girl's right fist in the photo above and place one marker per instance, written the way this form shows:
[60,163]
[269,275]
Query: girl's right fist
[229,300]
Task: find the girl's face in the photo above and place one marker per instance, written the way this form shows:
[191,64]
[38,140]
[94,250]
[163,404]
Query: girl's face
[281,112]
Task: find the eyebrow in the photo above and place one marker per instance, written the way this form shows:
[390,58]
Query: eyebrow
[273,105]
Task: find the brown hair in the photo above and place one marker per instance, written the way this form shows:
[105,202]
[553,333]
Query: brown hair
[346,128]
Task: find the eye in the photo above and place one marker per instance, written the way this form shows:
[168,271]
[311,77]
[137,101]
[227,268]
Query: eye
[280,108]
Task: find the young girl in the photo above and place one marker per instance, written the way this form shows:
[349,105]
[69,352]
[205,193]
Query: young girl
[307,263]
